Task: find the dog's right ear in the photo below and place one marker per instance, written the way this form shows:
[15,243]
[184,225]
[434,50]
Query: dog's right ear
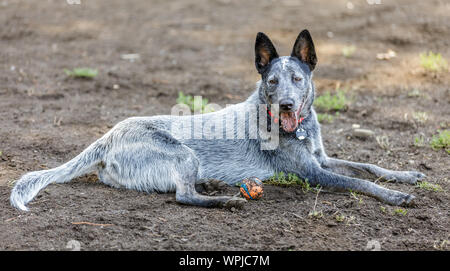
[264,52]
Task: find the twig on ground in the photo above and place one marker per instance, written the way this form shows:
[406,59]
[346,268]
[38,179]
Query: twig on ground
[91,224]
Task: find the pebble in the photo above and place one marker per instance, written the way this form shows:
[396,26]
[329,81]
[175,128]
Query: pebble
[363,133]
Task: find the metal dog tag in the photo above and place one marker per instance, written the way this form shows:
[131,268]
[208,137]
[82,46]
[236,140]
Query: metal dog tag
[300,134]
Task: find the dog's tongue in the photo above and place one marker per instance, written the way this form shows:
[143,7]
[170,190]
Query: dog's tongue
[289,121]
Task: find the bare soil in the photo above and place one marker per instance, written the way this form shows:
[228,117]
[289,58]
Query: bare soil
[206,48]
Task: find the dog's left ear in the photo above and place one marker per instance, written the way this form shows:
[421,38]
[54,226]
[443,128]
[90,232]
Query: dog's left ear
[304,49]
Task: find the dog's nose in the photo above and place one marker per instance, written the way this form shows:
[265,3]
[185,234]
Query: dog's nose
[286,104]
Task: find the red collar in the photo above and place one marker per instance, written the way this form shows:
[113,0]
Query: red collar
[275,120]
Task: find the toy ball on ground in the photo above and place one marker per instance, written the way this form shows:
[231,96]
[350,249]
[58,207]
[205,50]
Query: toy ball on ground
[252,188]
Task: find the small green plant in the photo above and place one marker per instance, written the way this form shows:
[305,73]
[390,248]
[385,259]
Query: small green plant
[82,73]
[420,117]
[350,219]
[441,141]
[383,142]
[400,211]
[356,196]
[314,213]
[325,118]
[340,218]
[348,51]
[195,104]
[440,245]
[419,141]
[332,102]
[414,93]
[429,186]
[383,209]
[433,62]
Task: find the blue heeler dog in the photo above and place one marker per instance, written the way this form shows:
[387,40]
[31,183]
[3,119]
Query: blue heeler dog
[149,154]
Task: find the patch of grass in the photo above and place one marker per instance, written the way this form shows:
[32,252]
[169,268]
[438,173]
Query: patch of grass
[419,141]
[420,117]
[195,104]
[325,118]
[348,51]
[433,62]
[82,73]
[441,141]
[290,179]
[429,186]
[400,211]
[328,102]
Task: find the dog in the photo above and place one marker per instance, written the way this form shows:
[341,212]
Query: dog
[149,154]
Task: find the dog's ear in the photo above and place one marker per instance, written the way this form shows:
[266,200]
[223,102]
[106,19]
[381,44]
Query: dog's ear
[304,49]
[264,52]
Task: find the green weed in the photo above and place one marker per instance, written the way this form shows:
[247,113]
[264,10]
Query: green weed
[400,211]
[82,73]
[195,104]
[441,141]
[348,51]
[429,186]
[332,102]
[433,62]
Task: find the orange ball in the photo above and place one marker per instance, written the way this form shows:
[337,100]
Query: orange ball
[252,188]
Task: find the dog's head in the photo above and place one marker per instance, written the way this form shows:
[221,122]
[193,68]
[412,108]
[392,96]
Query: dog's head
[287,80]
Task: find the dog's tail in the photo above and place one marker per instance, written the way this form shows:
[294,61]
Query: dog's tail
[31,183]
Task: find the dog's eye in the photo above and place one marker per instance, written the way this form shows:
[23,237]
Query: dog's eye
[273,81]
[297,79]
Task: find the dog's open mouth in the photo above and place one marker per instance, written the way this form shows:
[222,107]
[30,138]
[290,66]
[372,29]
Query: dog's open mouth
[290,120]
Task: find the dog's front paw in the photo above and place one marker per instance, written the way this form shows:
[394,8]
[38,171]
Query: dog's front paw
[235,202]
[400,199]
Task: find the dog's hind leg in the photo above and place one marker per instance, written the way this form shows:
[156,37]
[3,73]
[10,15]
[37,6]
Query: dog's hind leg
[369,171]
[187,194]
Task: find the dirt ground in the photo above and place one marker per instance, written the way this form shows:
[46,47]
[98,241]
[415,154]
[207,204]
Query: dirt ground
[206,48]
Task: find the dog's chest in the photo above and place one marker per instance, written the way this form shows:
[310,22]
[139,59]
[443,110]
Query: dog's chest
[294,145]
